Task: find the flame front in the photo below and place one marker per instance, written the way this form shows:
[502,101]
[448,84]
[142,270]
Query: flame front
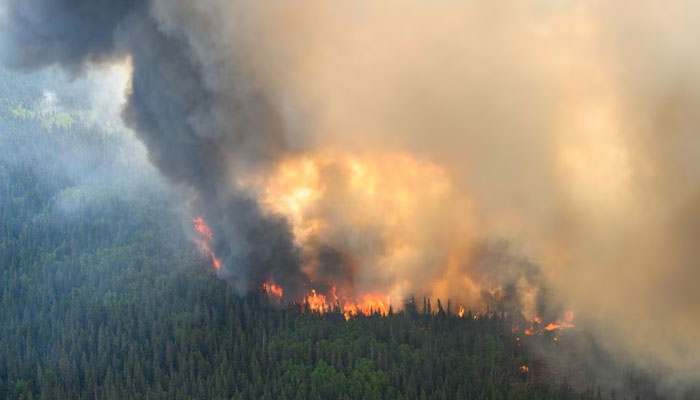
[317,302]
[367,305]
[205,236]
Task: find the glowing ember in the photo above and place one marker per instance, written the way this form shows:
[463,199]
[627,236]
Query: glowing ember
[273,291]
[205,238]
[524,369]
[460,311]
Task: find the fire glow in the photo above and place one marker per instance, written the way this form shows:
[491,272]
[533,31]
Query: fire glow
[205,236]
[388,239]
[274,291]
[378,221]
[317,302]
[367,304]
[536,327]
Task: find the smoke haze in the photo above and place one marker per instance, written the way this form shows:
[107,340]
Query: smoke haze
[394,147]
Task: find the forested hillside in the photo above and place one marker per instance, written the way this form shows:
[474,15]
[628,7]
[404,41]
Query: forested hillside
[103,297]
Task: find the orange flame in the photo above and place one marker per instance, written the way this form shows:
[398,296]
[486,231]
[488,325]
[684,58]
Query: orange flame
[349,310]
[369,303]
[536,328]
[524,369]
[317,302]
[273,291]
[201,226]
[460,311]
[565,324]
[366,305]
[555,325]
[206,237]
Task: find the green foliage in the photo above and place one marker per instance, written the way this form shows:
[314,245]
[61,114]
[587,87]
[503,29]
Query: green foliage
[105,299]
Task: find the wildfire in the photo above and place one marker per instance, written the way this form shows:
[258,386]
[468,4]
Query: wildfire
[368,304]
[334,198]
[536,326]
[349,310]
[555,325]
[273,291]
[317,302]
[202,228]
[377,224]
[524,369]
[205,238]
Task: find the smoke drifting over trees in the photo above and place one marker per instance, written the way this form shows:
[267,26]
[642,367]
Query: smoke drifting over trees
[191,128]
[565,127]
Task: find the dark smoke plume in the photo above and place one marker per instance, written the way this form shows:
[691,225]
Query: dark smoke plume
[195,134]
[69,33]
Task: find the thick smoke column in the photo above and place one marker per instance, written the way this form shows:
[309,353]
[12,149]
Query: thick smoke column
[69,33]
[197,136]
[197,131]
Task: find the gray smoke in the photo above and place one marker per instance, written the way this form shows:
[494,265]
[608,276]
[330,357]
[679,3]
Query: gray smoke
[197,132]
[70,33]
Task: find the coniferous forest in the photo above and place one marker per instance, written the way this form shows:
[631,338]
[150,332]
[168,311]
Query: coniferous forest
[102,295]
